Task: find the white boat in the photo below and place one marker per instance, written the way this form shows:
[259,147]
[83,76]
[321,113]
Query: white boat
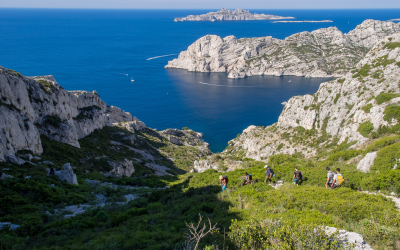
[284,103]
[132,79]
[290,80]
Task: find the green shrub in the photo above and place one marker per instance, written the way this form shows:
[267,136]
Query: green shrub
[383,142]
[52,120]
[336,98]
[367,108]
[391,112]
[341,80]
[385,97]
[392,45]
[280,147]
[365,128]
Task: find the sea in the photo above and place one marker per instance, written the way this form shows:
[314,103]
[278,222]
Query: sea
[103,50]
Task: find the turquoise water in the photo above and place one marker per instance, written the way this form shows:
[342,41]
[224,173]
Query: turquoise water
[95,49]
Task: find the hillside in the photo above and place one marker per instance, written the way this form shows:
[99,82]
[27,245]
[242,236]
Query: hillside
[321,53]
[121,185]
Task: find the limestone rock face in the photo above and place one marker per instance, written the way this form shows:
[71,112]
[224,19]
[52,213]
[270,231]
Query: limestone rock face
[174,140]
[124,168]
[67,174]
[321,53]
[131,126]
[31,106]
[229,15]
[365,164]
[335,112]
[202,165]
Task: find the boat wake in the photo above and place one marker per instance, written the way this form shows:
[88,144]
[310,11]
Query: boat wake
[123,74]
[151,58]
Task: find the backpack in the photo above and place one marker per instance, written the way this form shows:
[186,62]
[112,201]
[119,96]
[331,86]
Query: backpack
[250,177]
[298,175]
[226,179]
[340,179]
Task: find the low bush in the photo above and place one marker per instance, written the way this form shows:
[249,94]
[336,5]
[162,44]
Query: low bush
[391,112]
[365,128]
[367,108]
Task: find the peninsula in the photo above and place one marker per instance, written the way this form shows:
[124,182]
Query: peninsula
[230,15]
[305,21]
[324,52]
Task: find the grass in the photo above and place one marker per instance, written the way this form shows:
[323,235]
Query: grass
[391,112]
[385,97]
[367,108]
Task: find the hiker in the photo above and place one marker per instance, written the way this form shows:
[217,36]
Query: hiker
[269,173]
[52,172]
[337,179]
[297,176]
[329,179]
[248,178]
[1,176]
[21,176]
[224,182]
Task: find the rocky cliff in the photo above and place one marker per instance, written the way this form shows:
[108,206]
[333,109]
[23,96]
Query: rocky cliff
[321,53]
[348,109]
[30,106]
[229,15]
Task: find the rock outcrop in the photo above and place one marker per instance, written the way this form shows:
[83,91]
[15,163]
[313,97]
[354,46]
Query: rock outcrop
[229,15]
[67,174]
[324,52]
[123,168]
[31,106]
[347,109]
[365,164]
[349,240]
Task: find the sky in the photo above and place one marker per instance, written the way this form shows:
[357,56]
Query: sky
[202,4]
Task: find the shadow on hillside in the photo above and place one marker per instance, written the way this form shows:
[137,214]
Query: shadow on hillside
[154,221]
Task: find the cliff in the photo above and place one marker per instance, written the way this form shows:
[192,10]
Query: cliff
[229,15]
[321,53]
[349,109]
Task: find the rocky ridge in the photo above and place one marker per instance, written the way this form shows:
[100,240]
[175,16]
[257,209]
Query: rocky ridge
[338,112]
[34,106]
[324,52]
[229,15]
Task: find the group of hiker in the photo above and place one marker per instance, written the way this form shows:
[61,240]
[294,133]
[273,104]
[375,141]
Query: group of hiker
[334,180]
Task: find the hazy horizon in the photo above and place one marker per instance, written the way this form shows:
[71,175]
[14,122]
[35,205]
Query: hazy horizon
[201,4]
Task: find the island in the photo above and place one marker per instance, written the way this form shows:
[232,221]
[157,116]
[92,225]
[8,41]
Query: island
[230,15]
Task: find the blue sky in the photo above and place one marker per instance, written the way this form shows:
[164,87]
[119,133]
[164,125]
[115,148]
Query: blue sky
[202,4]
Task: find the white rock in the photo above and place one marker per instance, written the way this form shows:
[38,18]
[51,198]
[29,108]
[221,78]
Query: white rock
[366,163]
[27,157]
[15,160]
[67,174]
[349,239]
[12,226]
[124,168]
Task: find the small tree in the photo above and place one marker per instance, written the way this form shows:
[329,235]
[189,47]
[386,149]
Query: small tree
[196,233]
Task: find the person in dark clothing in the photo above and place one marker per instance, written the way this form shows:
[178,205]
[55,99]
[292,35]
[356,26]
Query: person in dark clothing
[269,174]
[247,178]
[329,177]
[52,171]
[1,176]
[21,176]
[297,176]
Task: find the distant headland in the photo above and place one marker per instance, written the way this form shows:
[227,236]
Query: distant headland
[230,15]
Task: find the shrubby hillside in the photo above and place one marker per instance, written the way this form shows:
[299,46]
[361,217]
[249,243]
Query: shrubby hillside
[135,188]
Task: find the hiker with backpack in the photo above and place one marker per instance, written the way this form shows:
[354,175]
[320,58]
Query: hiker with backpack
[247,178]
[329,179]
[338,179]
[297,177]
[224,182]
[269,174]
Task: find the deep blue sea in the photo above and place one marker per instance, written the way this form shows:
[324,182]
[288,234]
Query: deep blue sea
[95,49]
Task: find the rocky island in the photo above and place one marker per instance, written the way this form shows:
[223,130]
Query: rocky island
[324,52]
[305,21]
[230,15]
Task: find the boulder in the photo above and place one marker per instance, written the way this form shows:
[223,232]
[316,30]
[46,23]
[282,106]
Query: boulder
[175,140]
[366,163]
[15,160]
[131,126]
[349,240]
[12,226]
[124,168]
[67,174]
[202,165]
[27,157]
